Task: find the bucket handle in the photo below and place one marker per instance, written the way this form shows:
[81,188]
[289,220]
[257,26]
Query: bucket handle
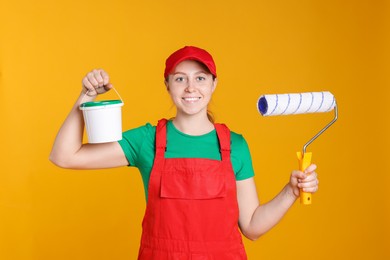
[81,102]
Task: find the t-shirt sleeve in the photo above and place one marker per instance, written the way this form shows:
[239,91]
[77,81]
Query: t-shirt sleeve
[133,140]
[241,157]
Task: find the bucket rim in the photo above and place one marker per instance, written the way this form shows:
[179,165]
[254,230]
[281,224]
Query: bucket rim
[101,103]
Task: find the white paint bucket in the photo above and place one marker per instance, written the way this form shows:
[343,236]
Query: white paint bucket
[103,120]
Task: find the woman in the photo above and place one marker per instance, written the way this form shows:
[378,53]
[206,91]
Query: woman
[198,175]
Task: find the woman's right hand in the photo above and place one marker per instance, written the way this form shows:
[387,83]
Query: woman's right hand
[96,82]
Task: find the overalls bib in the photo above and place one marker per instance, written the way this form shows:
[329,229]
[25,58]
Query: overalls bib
[192,209]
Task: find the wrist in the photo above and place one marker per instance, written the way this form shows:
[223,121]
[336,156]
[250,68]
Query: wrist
[84,97]
[289,193]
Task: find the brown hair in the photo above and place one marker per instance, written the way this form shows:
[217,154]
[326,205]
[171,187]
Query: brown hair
[210,116]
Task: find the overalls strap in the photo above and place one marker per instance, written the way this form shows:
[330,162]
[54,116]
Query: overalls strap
[161,138]
[223,133]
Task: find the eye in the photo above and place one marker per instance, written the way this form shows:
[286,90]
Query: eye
[179,79]
[200,78]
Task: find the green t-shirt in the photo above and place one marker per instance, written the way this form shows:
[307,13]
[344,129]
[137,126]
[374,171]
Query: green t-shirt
[138,144]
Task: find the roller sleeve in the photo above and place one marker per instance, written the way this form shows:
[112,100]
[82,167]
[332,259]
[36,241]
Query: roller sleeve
[296,103]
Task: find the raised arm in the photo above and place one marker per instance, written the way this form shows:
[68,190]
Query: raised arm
[255,219]
[68,149]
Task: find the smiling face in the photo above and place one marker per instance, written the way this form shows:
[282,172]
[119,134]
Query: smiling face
[191,86]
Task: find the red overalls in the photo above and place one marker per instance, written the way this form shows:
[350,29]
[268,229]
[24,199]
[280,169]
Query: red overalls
[192,210]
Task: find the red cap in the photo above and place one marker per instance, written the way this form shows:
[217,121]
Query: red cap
[189,53]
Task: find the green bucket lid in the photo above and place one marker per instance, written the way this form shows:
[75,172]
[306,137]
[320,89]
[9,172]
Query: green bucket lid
[101,103]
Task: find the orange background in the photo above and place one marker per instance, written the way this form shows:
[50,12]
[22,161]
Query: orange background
[46,47]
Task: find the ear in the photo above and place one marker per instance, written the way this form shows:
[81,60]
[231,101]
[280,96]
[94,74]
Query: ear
[166,84]
[215,82]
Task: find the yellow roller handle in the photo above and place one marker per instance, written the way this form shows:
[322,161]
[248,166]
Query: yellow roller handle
[304,162]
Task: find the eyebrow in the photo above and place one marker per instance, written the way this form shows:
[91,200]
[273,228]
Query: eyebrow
[198,72]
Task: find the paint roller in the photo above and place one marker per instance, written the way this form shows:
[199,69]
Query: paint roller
[300,103]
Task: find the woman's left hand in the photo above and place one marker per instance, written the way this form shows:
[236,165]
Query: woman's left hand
[307,180]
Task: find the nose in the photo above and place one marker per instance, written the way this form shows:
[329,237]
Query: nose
[190,86]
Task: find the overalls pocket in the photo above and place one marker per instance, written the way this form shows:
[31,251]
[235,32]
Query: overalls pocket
[193,185]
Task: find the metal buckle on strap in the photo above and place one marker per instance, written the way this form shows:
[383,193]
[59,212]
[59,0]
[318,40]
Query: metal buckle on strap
[225,150]
[161,147]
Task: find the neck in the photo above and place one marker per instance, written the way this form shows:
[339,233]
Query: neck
[193,125]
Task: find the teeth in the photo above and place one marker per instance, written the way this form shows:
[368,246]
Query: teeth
[191,99]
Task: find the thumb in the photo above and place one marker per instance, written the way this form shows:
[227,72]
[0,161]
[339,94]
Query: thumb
[294,180]
[108,86]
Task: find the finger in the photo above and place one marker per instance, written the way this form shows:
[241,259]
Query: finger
[89,88]
[298,175]
[92,80]
[310,168]
[106,78]
[312,176]
[86,83]
[309,186]
[310,189]
[108,86]
[98,77]
[294,180]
